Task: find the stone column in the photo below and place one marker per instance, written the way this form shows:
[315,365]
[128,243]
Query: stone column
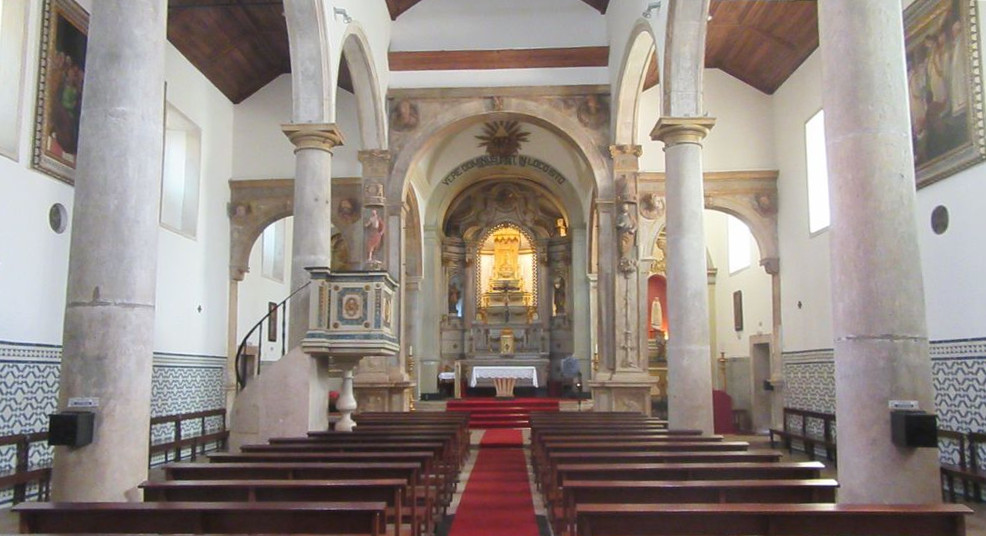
[579,287]
[881,341]
[108,343]
[312,245]
[689,365]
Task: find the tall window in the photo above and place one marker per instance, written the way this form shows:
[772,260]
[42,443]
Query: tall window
[13,23]
[738,239]
[273,251]
[180,180]
[818,177]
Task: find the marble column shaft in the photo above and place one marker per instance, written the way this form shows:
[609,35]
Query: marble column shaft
[312,243]
[881,341]
[689,370]
[108,340]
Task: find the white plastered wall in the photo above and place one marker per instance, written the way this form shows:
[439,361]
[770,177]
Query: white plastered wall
[34,259]
[192,272]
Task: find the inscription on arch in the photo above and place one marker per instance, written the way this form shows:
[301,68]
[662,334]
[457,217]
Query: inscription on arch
[486,161]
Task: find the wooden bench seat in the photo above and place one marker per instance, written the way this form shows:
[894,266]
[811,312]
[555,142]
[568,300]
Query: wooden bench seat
[790,433]
[203,518]
[388,490]
[577,492]
[277,469]
[678,471]
[547,476]
[771,519]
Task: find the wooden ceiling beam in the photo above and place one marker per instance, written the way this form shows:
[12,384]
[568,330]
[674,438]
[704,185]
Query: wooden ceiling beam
[598,5]
[530,58]
[398,7]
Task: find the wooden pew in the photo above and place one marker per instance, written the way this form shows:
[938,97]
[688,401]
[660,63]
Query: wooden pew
[678,471]
[390,491]
[203,518]
[431,487]
[540,457]
[406,471]
[548,475]
[800,432]
[458,435]
[772,519]
[576,492]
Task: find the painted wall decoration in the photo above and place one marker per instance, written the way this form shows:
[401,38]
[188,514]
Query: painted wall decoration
[502,138]
[60,79]
[348,211]
[946,102]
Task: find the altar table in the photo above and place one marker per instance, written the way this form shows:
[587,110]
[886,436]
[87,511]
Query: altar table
[504,377]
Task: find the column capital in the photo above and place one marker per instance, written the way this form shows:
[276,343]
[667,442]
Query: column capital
[321,136]
[625,150]
[376,162]
[676,130]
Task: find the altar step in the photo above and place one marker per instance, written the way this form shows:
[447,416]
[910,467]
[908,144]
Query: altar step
[489,413]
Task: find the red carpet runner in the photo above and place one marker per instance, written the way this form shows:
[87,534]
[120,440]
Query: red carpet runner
[493,413]
[497,499]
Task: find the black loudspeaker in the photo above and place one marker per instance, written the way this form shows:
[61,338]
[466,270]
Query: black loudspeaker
[914,429]
[71,428]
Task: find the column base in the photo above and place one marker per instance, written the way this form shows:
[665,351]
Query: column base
[623,392]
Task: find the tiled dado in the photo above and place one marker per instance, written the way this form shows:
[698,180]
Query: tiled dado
[29,389]
[958,369]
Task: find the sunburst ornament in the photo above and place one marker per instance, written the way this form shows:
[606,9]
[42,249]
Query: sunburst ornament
[502,138]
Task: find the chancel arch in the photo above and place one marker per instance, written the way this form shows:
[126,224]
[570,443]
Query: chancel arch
[506,269]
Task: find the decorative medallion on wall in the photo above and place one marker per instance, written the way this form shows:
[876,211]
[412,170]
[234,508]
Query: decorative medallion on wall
[593,112]
[502,138]
[652,206]
[404,116]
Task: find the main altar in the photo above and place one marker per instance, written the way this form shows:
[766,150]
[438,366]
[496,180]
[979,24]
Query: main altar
[506,305]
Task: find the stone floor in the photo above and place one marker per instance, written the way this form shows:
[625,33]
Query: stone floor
[976,525]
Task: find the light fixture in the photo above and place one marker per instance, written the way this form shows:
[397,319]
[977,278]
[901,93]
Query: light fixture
[651,7]
[338,11]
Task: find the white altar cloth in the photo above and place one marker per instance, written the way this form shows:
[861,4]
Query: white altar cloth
[519,373]
[446,375]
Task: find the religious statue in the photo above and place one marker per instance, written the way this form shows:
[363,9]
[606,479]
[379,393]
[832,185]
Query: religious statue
[374,234]
[453,299]
[627,230]
[560,296]
[656,314]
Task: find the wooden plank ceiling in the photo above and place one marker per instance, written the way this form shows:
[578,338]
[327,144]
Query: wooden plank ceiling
[242,45]
[761,42]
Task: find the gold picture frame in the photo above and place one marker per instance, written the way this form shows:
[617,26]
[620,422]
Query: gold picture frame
[944,87]
[61,71]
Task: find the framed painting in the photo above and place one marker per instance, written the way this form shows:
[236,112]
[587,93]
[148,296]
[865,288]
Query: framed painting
[946,102]
[60,75]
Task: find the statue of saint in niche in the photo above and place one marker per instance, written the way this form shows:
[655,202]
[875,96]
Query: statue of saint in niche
[560,296]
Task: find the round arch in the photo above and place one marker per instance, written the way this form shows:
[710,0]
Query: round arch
[366,87]
[636,60]
[311,78]
[475,111]
[684,58]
